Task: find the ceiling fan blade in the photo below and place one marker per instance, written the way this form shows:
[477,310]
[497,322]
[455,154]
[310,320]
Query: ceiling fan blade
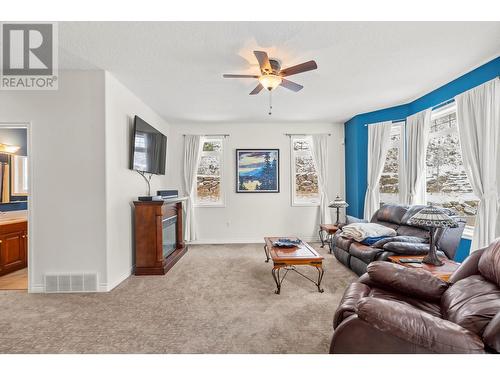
[291,85]
[239,76]
[263,60]
[256,90]
[300,68]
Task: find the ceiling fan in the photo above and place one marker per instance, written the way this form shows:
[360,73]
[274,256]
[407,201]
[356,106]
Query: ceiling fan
[272,75]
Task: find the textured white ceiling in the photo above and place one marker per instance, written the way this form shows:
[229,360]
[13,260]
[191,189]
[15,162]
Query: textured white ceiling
[177,67]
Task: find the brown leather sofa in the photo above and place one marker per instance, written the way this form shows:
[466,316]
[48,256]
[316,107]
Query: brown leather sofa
[393,309]
[357,256]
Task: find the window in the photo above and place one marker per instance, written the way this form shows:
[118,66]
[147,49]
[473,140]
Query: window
[209,178]
[389,181]
[305,189]
[447,182]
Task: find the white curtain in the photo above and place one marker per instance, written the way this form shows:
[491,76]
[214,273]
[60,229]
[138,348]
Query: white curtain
[320,155]
[378,144]
[478,118]
[414,178]
[191,160]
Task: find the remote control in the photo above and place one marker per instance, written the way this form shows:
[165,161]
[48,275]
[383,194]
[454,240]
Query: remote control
[410,260]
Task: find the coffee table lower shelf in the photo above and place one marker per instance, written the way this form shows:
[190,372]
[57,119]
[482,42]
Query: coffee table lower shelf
[279,281]
[288,259]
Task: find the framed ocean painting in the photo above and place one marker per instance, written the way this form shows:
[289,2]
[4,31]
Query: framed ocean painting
[257,170]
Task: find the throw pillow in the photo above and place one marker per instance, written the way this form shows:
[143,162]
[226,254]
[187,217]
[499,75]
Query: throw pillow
[411,239]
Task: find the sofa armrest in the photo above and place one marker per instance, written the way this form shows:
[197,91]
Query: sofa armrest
[468,267]
[351,297]
[491,334]
[418,327]
[355,336]
[414,282]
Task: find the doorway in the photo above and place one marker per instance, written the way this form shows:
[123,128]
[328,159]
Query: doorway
[14,198]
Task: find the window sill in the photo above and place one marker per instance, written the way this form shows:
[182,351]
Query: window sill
[468,232]
[210,206]
[305,204]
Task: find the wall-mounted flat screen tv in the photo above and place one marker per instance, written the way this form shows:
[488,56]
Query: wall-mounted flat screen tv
[149,148]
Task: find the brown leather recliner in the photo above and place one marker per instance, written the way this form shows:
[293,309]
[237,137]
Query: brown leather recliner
[393,309]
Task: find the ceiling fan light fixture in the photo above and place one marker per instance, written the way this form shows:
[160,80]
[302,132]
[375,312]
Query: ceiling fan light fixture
[270,81]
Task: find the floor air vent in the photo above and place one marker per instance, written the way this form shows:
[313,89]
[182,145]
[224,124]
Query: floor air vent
[71,283]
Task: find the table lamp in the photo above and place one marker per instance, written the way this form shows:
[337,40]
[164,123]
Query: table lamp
[338,203]
[432,217]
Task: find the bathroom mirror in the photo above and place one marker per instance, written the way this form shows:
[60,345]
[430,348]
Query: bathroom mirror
[19,175]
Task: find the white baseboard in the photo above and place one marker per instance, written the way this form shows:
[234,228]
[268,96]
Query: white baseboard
[37,289]
[41,289]
[103,287]
[107,287]
[214,241]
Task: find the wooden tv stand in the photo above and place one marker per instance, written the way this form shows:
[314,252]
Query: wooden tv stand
[149,220]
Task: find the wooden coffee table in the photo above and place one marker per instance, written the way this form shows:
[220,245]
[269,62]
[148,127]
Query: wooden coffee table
[443,272]
[289,258]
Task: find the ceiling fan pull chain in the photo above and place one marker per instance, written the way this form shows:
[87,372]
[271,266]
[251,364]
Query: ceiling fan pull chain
[270,103]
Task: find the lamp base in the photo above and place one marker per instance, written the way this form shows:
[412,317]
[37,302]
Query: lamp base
[432,258]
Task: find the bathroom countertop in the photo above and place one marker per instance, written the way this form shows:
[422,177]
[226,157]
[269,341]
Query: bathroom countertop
[13,217]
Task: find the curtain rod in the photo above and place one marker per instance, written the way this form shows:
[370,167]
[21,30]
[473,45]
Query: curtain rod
[449,101]
[291,134]
[440,105]
[446,102]
[210,135]
[437,106]
[393,121]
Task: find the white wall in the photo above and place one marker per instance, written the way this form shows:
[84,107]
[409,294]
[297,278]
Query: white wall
[67,233]
[82,184]
[122,184]
[249,217]
[82,187]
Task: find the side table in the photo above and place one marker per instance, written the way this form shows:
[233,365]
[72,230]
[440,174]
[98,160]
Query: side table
[326,232]
[443,272]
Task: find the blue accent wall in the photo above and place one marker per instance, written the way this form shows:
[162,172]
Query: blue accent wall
[356,154]
[356,134]
[463,250]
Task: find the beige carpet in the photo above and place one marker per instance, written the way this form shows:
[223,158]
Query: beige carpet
[217,299]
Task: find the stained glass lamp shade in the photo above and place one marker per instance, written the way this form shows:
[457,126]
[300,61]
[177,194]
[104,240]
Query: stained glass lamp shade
[432,217]
[338,203]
